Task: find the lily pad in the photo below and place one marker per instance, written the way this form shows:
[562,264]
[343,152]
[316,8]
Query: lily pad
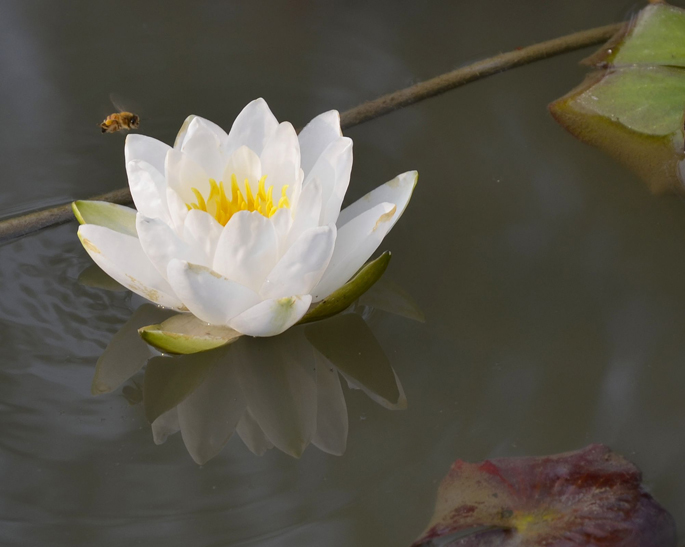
[656,36]
[110,215]
[341,299]
[634,109]
[589,497]
[185,334]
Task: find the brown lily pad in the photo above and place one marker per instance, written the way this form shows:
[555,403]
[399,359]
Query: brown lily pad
[591,497]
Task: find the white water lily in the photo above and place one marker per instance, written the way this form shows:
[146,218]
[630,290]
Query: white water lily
[243,229]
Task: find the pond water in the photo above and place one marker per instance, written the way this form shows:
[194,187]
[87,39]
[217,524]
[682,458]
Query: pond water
[550,280]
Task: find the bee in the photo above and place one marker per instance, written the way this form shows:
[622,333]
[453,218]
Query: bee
[119,120]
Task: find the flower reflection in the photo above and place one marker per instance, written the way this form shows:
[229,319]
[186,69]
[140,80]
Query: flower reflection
[284,392]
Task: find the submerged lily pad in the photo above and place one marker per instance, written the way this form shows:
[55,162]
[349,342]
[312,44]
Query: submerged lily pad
[589,497]
[341,299]
[110,215]
[634,108]
[185,334]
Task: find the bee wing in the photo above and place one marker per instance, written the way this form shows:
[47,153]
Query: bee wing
[122,106]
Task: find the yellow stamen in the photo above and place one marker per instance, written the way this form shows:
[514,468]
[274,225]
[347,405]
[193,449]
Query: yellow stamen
[223,205]
[200,200]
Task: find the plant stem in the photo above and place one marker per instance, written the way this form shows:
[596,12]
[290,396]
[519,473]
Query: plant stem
[476,71]
[32,222]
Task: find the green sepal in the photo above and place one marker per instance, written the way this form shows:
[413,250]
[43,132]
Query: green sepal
[341,299]
[185,334]
[110,215]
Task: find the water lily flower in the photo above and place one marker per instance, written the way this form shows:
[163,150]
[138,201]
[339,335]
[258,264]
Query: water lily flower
[243,229]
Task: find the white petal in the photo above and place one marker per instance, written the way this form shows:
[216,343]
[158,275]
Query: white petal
[148,188]
[247,250]
[356,242]
[147,149]
[198,123]
[245,165]
[202,231]
[181,135]
[317,135]
[204,147]
[183,173]
[161,244]
[302,265]
[333,170]
[307,211]
[281,160]
[208,295]
[397,191]
[272,317]
[122,258]
[282,221]
[177,210]
[253,126]
[187,129]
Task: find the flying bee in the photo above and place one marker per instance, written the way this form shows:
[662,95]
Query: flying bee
[120,120]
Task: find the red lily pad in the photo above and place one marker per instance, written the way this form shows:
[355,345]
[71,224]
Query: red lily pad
[591,497]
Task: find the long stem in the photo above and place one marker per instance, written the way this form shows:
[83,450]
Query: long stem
[32,222]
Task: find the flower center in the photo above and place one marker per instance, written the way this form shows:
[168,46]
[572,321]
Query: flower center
[222,205]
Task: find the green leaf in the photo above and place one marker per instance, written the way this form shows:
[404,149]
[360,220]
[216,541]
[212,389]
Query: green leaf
[655,37]
[648,100]
[633,114]
[348,343]
[634,109]
[341,299]
[110,215]
[185,334]
[170,380]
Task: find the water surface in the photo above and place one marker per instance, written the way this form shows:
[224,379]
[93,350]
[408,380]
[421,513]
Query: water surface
[550,279]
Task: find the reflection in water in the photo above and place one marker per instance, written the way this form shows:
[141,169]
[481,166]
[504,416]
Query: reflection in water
[282,392]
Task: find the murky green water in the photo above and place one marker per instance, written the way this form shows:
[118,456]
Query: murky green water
[551,281]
